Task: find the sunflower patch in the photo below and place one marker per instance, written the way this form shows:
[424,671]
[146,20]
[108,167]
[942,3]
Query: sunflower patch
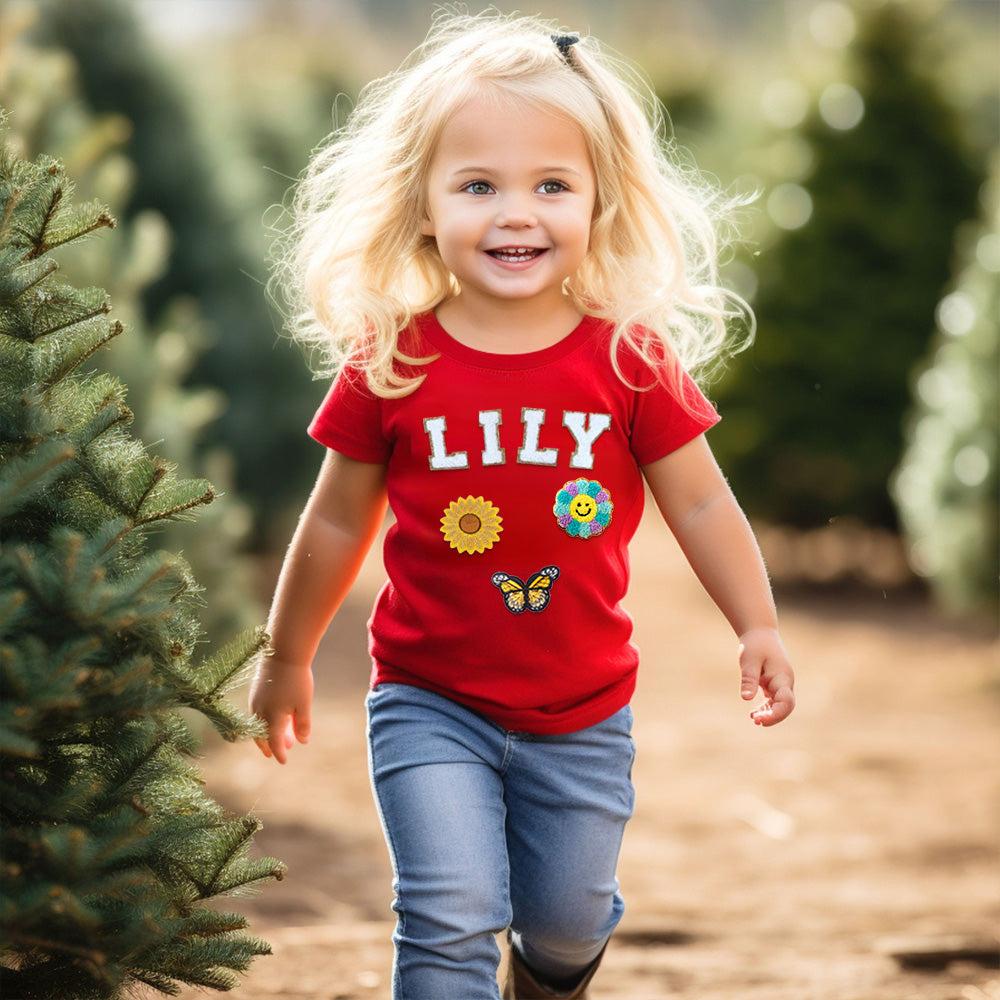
[471,525]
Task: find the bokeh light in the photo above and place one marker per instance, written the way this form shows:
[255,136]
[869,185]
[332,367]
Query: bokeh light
[988,252]
[935,389]
[972,465]
[956,314]
[790,206]
[841,106]
[832,24]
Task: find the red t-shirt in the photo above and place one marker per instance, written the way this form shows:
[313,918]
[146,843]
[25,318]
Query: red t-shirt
[516,487]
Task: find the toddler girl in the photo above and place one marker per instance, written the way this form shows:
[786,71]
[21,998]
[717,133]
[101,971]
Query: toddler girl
[512,281]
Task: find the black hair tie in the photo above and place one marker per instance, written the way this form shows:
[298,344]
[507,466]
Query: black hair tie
[563,43]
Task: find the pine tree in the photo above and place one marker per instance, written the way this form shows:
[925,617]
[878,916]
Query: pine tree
[39,88]
[217,255]
[947,482]
[814,411]
[110,847]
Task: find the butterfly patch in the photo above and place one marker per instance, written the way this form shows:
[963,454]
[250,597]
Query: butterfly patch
[534,595]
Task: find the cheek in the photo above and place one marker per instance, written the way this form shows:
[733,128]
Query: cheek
[578,226]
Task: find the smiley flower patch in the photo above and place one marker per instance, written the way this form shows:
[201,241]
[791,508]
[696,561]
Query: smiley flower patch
[583,508]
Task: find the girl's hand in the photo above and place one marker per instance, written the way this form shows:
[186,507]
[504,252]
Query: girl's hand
[764,666]
[281,695]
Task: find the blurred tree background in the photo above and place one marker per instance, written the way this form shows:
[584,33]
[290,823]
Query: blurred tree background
[844,299]
[864,126]
[47,113]
[946,484]
[201,187]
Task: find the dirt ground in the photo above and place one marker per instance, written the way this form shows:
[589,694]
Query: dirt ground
[782,864]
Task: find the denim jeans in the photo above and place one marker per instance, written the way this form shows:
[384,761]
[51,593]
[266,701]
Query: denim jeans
[489,829]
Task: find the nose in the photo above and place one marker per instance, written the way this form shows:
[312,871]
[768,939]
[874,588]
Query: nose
[515,212]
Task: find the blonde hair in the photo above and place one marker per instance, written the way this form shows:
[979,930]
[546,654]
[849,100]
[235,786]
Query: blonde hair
[355,268]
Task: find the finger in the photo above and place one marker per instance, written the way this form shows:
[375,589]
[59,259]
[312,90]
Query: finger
[775,709]
[768,716]
[750,671]
[302,721]
[278,741]
[263,747]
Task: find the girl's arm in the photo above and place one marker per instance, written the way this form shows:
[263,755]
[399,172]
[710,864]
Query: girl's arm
[717,540]
[337,527]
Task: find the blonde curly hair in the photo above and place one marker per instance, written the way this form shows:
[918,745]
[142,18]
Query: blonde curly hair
[354,268]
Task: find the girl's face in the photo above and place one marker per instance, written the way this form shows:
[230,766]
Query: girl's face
[510,196]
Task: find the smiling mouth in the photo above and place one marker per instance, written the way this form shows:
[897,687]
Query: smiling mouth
[516,255]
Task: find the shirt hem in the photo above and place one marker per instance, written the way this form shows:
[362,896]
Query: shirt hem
[533,721]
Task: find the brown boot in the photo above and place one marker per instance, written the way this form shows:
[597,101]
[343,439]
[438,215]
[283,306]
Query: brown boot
[522,985]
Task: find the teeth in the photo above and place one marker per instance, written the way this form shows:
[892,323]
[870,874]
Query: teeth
[516,254]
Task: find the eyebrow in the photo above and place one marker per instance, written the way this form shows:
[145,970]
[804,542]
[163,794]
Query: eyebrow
[543,170]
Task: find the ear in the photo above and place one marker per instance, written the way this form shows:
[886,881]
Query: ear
[426,227]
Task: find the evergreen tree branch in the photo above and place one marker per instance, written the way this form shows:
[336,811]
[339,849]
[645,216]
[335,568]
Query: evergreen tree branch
[42,244]
[11,604]
[205,494]
[165,984]
[159,472]
[22,477]
[16,279]
[74,362]
[227,668]
[69,234]
[91,956]
[55,199]
[9,201]
[208,923]
[77,312]
[112,412]
[108,840]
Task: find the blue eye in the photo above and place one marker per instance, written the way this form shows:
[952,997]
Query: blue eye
[552,187]
[478,187]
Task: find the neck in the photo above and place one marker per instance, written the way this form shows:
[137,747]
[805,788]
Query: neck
[508,328]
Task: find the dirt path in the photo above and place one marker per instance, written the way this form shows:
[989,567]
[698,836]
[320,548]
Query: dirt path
[761,865]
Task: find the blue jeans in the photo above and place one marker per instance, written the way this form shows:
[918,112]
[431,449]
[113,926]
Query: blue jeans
[489,829]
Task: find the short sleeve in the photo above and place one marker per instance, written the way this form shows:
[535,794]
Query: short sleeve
[662,423]
[349,420]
